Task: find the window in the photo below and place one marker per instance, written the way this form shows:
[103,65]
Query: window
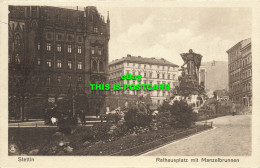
[59,63]
[158,76]
[69,65]
[69,77]
[145,81]
[163,76]
[169,76]
[99,51]
[59,79]
[133,73]
[49,79]
[79,39]
[144,66]
[95,29]
[101,67]
[133,64]
[17,59]
[92,51]
[151,75]
[79,49]
[145,74]
[39,46]
[163,67]
[59,36]
[48,62]
[48,35]
[39,61]
[79,65]
[128,64]
[69,48]
[79,79]
[59,47]
[70,37]
[48,46]
[173,76]
[150,66]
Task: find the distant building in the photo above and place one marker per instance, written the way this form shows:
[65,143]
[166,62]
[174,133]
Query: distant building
[153,71]
[214,75]
[240,72]
[53,50]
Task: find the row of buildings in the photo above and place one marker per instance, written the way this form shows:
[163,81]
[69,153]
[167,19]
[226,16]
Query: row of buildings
[240,72]
[54,52]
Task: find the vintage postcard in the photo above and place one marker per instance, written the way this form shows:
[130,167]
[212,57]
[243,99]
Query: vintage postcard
[129,84]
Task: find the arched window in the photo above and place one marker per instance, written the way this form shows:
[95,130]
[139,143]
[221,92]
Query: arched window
[94,66]
[17,46]
[101,66]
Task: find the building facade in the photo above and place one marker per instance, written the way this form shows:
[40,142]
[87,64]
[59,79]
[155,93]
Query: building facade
[53,51]
[153,71]
[213,76]
[240,72]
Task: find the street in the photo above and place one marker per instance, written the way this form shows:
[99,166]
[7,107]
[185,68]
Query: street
[231,137]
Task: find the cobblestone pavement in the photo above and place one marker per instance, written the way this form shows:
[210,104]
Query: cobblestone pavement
[231,137]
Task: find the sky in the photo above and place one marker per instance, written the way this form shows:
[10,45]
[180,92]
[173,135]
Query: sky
[165,32]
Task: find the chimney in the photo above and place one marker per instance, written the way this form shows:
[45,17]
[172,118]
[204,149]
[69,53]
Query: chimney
[128,55]
[139,56]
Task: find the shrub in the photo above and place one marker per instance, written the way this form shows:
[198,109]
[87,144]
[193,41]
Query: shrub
[179,114]
[100,131]
[143,119]
[182,114]
[113,117]
[164,119]
[130,117]
[137,117]
[66,125]
[121,129]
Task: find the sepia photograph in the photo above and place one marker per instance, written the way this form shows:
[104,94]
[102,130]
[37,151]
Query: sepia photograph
[162,82]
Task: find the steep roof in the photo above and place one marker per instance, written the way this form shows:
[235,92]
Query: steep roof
[143,60]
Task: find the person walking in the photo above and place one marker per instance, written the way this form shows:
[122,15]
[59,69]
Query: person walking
[233,109]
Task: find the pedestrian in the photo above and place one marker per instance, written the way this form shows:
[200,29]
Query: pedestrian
[233,109]
[83,120]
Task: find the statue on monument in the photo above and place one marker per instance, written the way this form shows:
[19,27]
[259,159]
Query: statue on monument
[189,80]
[193,61]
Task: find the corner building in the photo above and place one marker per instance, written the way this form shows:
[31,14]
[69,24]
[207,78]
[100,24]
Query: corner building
[64,49]
[153,71]
[240,72]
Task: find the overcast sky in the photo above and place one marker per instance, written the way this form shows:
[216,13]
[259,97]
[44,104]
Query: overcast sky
[167,32]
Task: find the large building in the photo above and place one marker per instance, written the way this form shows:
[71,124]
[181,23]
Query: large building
[240,72]
[153,71]
[213,76]
[53,51]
